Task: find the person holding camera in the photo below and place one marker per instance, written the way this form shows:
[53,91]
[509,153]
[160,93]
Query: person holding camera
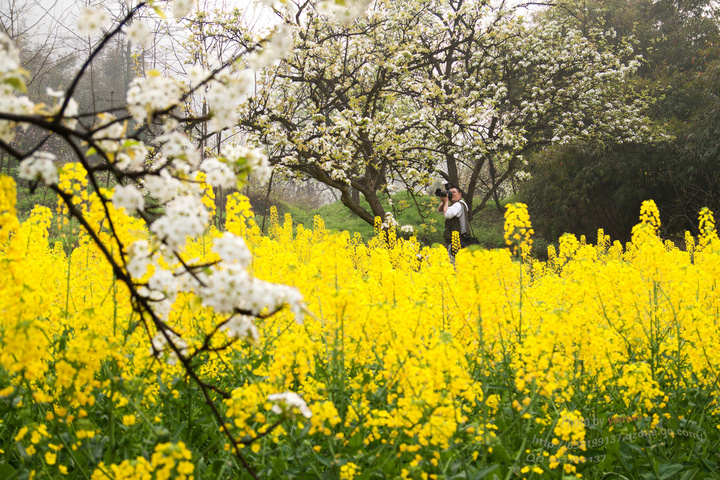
[456,216]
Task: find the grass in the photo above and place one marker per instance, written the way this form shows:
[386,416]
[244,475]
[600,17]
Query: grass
[487,225]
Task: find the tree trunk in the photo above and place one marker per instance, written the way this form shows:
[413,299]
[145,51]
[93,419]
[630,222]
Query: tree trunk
[355,207]
[377,208]
[493,176]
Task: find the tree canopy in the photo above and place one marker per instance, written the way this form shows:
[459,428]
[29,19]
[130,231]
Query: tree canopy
[424,90]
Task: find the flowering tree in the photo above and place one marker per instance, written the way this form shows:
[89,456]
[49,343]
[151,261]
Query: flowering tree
[423,89]
[145,150]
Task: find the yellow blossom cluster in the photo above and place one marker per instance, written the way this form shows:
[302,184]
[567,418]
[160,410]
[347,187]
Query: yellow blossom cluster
[8,214]
[168,461]
[518,228]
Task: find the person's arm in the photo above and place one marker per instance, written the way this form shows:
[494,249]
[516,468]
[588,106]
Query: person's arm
[442,208]
[453,210]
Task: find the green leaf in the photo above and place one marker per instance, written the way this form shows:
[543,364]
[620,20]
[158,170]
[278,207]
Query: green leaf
[668,470]
[487,471]
[690,474]
[16,83]
[6,471]
[160,12]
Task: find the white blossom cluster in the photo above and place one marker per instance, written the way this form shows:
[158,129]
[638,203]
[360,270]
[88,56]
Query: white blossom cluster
[227,287]
[225,92]
[11,81]
[343,11]
[138,32]
[233,288]
[275,48]
[132,157]
[252,159]
[159,346]
[129,198]
[389,221]
[152,94]
[241,326]
[71,109]
[185,216]
[408,229]
[218,173]
[40,165]
[287,402]
[180,151]
[108,133]
[180,8]
[92,20]
[138,258]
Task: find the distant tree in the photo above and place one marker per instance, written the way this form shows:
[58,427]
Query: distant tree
[604,184]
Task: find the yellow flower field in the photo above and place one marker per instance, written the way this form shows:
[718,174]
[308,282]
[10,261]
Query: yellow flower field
[498,367]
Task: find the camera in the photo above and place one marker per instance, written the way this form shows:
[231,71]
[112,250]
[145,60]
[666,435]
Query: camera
[444,193]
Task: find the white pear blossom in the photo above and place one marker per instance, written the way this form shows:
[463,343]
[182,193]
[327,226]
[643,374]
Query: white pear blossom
[12,104]
[232,249]
[160,345]
[138,32]
[12,82]
[152,94]
[241,326]
[40,165]
[138,254]
[182,152]
[230,288]
[164,281]
[218,173]
[109,132]
[185,216]
[225,288]
[390,221]
[132,156]
[254,158]
[163,187]
[292,297]
[54,93]
[129,198]
[181,8]
[279,44]
[197,74]
[9,56]
[286,402]
[71,110]
[222,103]
[258,162]
[92,20]
[345,12]
[243,83]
